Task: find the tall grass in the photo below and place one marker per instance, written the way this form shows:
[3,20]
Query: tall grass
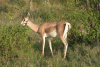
[21,47]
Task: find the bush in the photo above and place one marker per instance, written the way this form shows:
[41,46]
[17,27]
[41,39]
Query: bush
[13,39]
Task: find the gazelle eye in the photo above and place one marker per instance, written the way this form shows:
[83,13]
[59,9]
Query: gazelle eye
[24,20]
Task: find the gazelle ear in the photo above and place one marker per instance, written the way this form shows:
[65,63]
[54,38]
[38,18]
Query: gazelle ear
[28,15]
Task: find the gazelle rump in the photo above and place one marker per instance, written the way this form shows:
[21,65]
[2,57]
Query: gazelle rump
[50,29]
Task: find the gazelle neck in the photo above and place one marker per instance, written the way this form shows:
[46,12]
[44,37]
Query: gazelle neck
[33,26]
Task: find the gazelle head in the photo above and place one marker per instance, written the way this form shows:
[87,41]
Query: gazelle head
[24,20]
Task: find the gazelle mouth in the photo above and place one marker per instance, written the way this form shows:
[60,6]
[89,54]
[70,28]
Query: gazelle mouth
[23,24]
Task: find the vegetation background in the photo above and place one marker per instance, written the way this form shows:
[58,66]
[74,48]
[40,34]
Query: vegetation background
[21,47]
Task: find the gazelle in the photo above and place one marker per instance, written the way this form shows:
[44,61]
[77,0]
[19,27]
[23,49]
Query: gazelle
[50,29]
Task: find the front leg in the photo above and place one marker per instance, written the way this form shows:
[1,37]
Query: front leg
[50,45]
[43,44]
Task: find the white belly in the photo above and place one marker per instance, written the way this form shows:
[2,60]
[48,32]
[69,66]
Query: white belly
[54,33]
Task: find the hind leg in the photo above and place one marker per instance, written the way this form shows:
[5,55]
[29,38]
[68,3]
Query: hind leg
[65,44]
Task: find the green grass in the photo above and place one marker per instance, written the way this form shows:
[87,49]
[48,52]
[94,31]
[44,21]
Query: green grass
[17,49]
[22,47]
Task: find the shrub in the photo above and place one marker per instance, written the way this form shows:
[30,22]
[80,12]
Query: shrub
[12,39]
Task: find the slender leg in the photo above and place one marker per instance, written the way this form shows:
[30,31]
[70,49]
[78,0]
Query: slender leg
[43,44]
[66,45]
[50,45]
[65,48]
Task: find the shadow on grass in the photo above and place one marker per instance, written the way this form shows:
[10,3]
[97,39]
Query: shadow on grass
[38,47]
[57,46]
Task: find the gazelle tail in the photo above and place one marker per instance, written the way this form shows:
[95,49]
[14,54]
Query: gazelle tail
[67,29]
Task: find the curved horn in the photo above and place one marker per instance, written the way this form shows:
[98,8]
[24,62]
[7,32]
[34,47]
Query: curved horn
[30,8]
[28,15]
[30,5]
